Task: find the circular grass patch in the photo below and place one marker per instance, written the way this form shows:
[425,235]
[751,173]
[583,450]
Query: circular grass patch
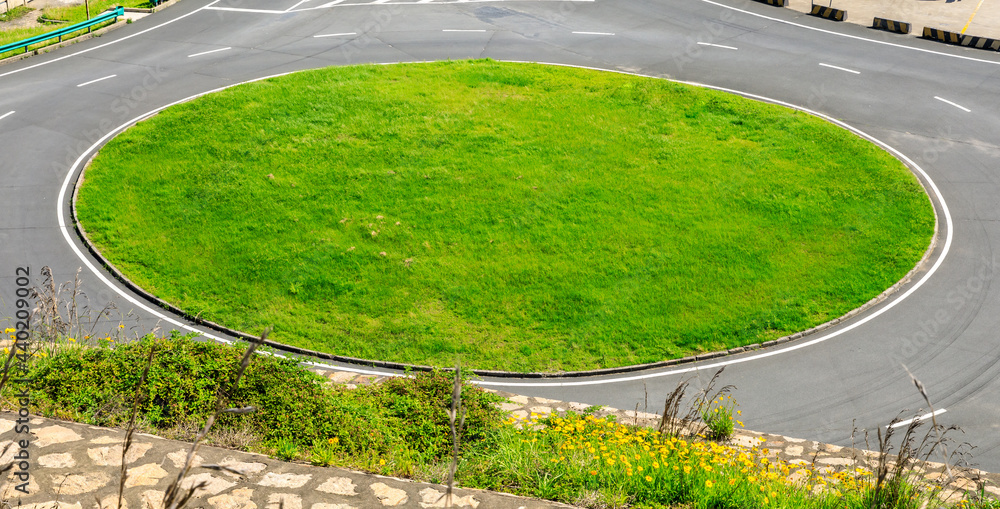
[517,216]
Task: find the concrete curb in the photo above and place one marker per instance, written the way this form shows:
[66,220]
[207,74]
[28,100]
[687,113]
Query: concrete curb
[889,25]
[829,13]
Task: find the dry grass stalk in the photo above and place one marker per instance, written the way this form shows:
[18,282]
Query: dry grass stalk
[456,420]
[136,402]
[675,423]
[173,498]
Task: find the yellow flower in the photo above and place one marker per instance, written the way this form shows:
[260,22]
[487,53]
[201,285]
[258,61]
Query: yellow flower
[687,469]
[708,483]
[381,462]
[334,440]
[649,479]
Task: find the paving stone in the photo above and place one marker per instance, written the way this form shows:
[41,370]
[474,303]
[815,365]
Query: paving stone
[340,377]
[6,425]
[521,400]
[152,499]
[339,486]
[284,501]
[546,401]
[57,434]
[178,458]
[540,410]
[213,485]
[111,502]
[107,440]
[236,499]
[55,504]
[993,489]
[285,480]
[145,475]
[832,448]
[744,441]
[795,440]
[388,496]
[112,456]
[520,415]
[247,468]
[793,450]
[578,407]
[75,484]
[332,506]
[508,407]
[843,462]
[57,460]
[10,491]
[430,497]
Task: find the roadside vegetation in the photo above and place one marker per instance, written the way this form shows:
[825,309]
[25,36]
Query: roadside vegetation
[524,217]
[54,18]
[401,427]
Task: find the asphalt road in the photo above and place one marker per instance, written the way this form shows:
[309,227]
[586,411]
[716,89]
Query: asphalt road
[936,105]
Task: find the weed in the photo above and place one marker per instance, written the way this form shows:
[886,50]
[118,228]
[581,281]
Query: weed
[719,418]
[286,449]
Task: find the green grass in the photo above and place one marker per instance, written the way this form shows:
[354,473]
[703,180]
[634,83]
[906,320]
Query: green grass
[531,217]
[15,13]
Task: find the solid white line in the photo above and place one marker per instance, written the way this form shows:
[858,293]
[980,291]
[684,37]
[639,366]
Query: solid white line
[831,32]
[95,81]
[116,41]
[210,51]
[922,417]
[240,9]
[840,68]
[594,33]
[963,108]
[717,45]
[410,2]
[336,35]
[461,30]
[893,303]
[5,115]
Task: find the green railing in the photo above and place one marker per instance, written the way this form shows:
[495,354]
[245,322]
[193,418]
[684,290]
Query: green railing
[101,18]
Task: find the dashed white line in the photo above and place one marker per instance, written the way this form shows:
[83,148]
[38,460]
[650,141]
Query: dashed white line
[210,51]
[594,33]
[717,45]
[959,106]
[5,115]
[852,71]
[336,35]
[462,30]
[95,81]
[922,417]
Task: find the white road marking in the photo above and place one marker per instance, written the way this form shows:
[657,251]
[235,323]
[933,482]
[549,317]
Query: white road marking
[258,11]
[5,115]
[963,108]
[95,81]
[852,71]
[594,33]
[717,45]
[922,417]
[461,30]
[336,35]
[945,249]
[296,5]
[210,51]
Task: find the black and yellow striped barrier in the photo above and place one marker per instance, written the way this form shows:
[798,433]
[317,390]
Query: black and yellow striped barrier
[973,41]
[942,35]
[778,3]
[900,27]
[829,13]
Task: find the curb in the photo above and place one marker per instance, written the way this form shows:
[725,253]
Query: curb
[878,299]
[899,27]
[829,13]
[944,36]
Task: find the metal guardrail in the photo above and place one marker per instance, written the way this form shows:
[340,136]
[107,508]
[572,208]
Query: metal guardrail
[100,18]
